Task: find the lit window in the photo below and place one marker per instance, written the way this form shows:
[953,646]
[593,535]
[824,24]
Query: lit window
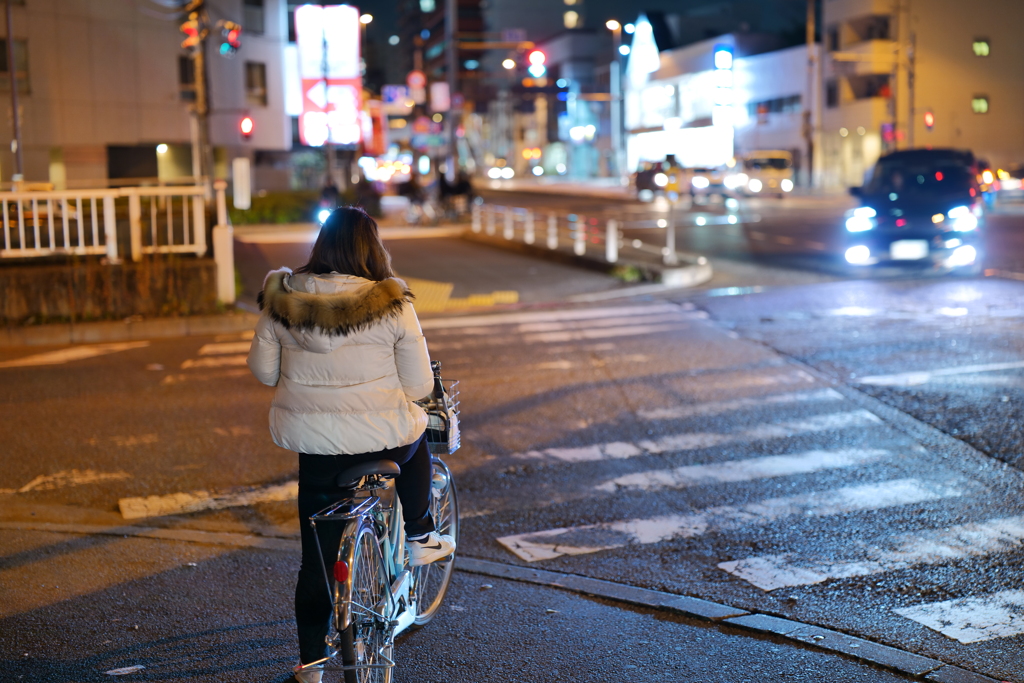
[979,104]
[427,5]
[571,2]
[981,47]
[571,19]
[256,83]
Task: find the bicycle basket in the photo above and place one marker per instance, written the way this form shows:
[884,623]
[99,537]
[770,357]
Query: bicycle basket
[443,436]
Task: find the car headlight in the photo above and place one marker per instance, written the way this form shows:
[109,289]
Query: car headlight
[962,219]
[786,185]
[861,219]
[858,255]
[700,182]
[754,185]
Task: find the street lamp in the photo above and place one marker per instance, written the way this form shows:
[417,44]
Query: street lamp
[615,78]
[509,64]
[365,19]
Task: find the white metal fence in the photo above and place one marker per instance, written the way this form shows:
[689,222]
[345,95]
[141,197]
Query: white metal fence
[82,222]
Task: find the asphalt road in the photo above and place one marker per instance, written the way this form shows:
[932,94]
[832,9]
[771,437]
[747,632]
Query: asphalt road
[722,447]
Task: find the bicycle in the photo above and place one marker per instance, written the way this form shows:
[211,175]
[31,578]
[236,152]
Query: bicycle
[376,595]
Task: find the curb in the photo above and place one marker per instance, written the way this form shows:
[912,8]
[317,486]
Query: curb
[126,330]
[894,659]
[924,668]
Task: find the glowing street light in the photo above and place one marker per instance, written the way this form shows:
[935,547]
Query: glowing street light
[365,19]
[509,64]
[613,25]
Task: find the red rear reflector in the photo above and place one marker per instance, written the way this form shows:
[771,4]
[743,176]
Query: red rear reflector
[938,175]
[340,571]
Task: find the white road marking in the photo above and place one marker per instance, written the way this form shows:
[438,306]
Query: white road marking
[903,379]
[618,321]
[71,354]
[598,333]
[224,347]
[548,316]
[742,470]
[65,478]
[180,503]
[930,546]
[214,361]
[552,543]
[679,412]
[972,620]
[694,440]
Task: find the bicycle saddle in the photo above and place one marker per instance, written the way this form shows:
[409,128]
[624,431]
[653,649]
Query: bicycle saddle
[348,478]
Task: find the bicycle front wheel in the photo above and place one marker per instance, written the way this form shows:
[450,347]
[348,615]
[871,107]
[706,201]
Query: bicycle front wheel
[431,580]
[367,644]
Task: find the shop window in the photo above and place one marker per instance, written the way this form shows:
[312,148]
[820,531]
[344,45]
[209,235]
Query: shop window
[20,64]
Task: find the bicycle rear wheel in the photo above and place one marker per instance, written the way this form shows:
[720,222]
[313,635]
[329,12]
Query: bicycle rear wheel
[368,642]
[431,580]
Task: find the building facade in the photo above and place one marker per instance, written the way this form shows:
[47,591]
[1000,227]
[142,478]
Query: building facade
[106,90]
[892,67]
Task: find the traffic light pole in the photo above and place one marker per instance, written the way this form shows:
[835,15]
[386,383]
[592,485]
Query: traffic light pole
[15,108]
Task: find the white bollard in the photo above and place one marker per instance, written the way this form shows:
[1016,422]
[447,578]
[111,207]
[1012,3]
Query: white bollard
[611,241]
[579,246]
[552,232]
[490,220]
[528,235]
[669,253]
[476,218]
[510,231]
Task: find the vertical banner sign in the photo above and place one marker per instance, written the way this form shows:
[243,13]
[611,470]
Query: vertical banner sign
[328,44]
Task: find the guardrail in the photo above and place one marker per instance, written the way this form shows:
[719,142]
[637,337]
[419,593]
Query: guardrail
[583,235]
[85,222]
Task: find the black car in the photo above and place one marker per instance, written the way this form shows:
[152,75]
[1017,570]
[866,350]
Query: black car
[919,208]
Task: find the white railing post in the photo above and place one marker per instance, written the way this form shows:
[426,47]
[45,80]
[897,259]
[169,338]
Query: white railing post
[528,235]
[611,241]
[199,223]
[552,231]
[110,228]
[670,258]
[135,225]
[476,217]
[510,231]
[223,243]
[490,220]
[579,245]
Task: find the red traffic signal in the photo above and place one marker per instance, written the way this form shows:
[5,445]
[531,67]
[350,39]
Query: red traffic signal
[537,57]
[929,120]
[245,126]
[232,33]
[191,30]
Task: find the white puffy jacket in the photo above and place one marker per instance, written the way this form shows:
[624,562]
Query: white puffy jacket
[347,356]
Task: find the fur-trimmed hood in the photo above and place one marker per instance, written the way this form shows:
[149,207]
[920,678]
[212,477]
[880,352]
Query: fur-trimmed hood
[314,306]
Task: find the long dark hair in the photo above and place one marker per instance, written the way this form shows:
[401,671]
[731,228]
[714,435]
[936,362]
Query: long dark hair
[349,244]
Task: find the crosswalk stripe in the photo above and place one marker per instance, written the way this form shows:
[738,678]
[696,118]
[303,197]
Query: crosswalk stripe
[618,321]
[72,353]
[974,619]
[461,322]
[930,546]
[717,408]
[691,441]
[742,470]
[923,377]
[214,361]
[552,543]
[219,348]
[597,333]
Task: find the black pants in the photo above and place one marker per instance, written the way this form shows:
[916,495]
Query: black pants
[317,490]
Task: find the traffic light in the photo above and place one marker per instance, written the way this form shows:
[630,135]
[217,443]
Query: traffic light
[245,127]
[191,30]
[537,59]
[929,120]
[232,33]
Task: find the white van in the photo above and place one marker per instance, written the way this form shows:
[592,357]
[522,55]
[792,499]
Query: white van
[764,172]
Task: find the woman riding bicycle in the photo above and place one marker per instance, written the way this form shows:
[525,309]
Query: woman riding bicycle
[341,342]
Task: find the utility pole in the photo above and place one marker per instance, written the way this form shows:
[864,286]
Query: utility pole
[451,66]
[615,83]
[19,160]
[199,29]
[809,122]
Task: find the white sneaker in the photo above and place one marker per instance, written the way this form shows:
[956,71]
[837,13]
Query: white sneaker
[312,674]
[431,548]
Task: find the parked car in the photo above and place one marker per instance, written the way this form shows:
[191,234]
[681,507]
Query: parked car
[919,208]
[765,172]
[706,182]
